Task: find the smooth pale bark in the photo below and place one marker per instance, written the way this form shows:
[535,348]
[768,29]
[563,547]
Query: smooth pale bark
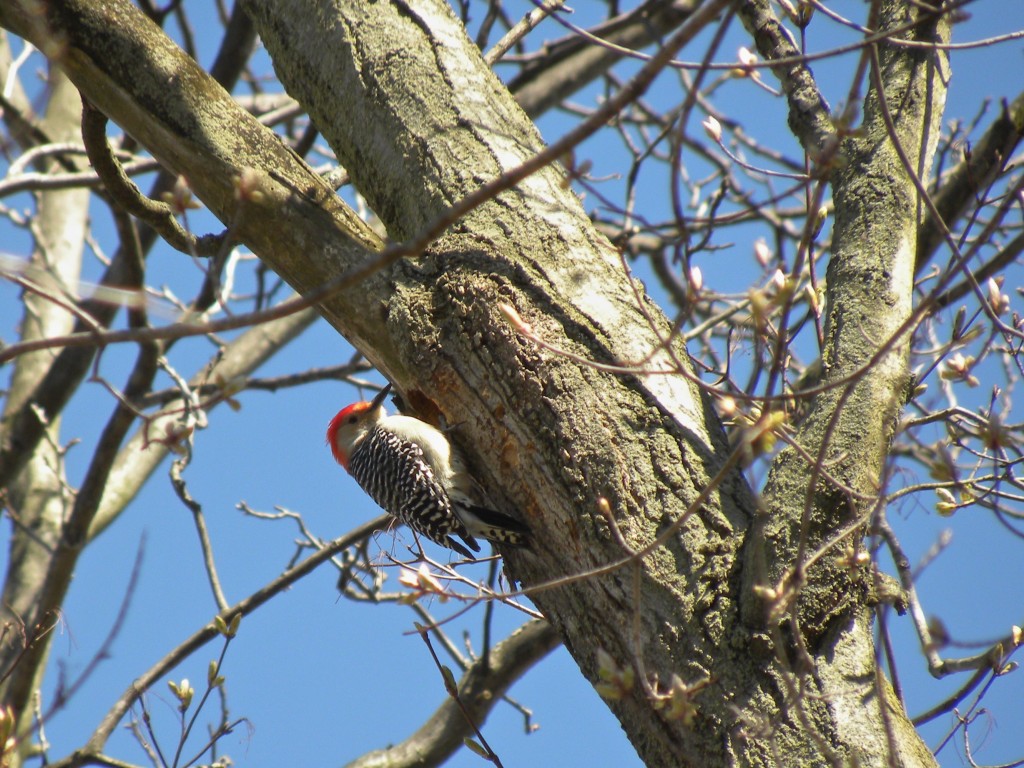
[39,496]
[420,122]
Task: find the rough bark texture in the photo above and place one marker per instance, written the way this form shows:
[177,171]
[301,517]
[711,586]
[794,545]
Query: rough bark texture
[420,122]
[850,425]
[554,437]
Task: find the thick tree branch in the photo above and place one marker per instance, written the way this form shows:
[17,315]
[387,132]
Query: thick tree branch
[126,66]
[849,428]
[597,435]
[809,116]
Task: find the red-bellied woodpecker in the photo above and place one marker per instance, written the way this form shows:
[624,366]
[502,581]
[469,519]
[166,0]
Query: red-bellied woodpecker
[413,471]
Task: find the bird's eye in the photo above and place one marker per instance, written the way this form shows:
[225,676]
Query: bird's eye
[351,419]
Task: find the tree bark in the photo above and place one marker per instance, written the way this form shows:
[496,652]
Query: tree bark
[599,448]
[40,497]
[834,482]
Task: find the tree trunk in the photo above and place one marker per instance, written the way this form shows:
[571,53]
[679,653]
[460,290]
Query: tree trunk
[606,444]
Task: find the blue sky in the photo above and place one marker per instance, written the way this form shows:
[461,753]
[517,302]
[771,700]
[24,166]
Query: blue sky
[322,680]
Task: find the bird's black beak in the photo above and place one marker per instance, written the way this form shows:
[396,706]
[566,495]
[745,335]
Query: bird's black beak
[378,401]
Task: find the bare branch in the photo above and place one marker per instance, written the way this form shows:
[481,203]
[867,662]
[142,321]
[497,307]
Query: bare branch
[480,688]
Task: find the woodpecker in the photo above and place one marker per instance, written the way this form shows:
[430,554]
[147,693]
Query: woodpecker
[411,470]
